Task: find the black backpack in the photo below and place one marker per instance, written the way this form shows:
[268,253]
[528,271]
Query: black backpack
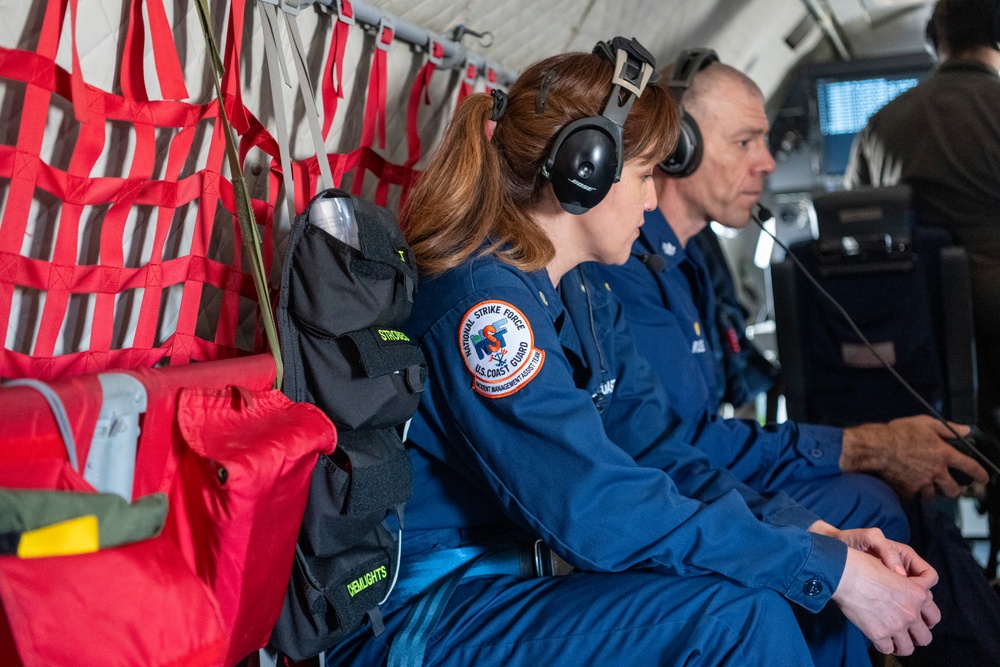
[339,317]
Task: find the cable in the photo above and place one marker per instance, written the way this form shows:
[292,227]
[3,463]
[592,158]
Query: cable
[759,215]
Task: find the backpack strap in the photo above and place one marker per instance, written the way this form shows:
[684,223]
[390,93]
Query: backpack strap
[248,226]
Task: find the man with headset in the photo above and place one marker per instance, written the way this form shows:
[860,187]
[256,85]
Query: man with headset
[717,174]
[943,138]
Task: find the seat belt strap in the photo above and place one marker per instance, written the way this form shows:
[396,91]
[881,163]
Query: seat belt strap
[410,643]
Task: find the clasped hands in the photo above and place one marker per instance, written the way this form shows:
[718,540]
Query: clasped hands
[885,589]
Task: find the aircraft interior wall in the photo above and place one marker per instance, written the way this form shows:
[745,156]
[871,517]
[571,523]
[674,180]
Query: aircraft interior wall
[110,143]
[746,33]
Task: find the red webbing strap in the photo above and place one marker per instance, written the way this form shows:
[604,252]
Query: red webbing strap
[78,193]
[85,153]
[145,330]
[232,50]
[468,81]
[305,175]
[251,131]
[81,97]
[491,79]
[420,90]
[383,170]
[153,202]
[22,162]
[168,66]
[374,106]
[332,86]
[113,232]
[241,204]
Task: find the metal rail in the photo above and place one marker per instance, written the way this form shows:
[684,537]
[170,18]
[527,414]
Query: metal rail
[455,54]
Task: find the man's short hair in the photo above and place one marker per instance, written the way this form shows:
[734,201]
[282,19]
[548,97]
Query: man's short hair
[963,25]
[704,84]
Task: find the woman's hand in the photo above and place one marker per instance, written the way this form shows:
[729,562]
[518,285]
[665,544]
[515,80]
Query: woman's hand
[893,611]
[885,589]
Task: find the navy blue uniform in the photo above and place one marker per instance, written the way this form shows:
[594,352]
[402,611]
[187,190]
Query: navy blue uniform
[672,316]
[743,371]
[541,420]
[669,314]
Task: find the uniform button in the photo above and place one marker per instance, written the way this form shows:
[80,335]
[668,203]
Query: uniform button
[813,587]
[817,453]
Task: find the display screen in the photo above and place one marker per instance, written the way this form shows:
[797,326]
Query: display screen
[844,107]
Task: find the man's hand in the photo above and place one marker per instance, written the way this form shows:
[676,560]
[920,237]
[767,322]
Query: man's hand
[910,454]
[895,612]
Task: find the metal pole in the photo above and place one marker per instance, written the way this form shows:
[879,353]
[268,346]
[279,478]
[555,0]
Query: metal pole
[827,25]
[455,55]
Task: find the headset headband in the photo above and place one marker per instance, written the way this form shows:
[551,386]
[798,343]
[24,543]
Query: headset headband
[687,66]
[634,67]
[587,155]
[687,155]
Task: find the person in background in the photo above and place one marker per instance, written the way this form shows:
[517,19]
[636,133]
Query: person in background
[942,137]
[542,431]
[671,311]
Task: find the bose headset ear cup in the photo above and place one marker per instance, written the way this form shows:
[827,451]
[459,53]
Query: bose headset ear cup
[686,158]
[585,158]
[584,162]
[687,155]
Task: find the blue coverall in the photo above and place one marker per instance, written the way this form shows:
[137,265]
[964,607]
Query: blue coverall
[672,318]
[669,315]
[541,420]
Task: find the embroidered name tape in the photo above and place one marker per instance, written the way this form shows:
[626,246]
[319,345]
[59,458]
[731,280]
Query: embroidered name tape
[499,348]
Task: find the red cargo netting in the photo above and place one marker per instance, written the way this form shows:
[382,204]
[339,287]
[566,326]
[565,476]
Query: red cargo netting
[76,294]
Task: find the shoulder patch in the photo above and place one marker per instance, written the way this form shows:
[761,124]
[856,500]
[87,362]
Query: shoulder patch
[499,348]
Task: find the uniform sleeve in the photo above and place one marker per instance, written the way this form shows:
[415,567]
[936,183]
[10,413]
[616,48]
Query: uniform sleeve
[762,457]
[765,457]
[539,446]
[633,422]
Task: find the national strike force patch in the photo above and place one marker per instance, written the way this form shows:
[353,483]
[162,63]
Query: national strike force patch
[499,348]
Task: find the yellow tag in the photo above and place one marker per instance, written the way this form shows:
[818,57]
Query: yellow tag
[76,536]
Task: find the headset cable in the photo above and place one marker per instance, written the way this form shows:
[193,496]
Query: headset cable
[761,214]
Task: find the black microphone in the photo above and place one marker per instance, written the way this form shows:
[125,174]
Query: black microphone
[653,262]
[761,214]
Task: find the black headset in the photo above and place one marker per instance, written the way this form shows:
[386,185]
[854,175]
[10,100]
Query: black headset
[930,36]
[687,156]
[586,158]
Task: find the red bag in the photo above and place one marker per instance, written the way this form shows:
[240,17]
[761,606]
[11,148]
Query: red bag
[236,464]
[137,604]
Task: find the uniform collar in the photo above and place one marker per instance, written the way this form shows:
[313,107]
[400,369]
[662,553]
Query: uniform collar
[547,295]
[964,65]
[577,294]
[657,236]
